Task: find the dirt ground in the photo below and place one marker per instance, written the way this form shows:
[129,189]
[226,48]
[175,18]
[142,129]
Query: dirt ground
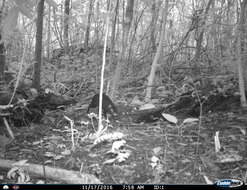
[159,152]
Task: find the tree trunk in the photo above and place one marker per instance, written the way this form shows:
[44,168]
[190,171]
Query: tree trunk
[158,53]
[66,26]
[129,16]
[243,41]
[113,33]
[38,45]
[129,57]
[2,48]
[153,24]
[97,26]
[2,58]
[242,52]
[213,37]
[48,32]
[126,28]
[228,29]
[201,33]
[57,30]
[90,13]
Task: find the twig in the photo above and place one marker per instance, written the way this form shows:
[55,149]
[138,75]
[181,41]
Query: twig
[3,107]
[8,128]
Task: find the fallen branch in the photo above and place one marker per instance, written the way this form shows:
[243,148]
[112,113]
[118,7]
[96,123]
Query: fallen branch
[57,174]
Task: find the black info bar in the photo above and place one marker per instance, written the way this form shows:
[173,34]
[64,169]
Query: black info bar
[109,187]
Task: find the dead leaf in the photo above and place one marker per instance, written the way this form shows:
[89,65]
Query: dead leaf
[170,118]
[190,120]
[136,101]
[156,150]
[147,106]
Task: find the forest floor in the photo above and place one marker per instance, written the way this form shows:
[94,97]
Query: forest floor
[182,152]
[159,152]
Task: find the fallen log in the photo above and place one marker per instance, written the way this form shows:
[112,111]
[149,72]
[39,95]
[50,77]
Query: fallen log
[56,174]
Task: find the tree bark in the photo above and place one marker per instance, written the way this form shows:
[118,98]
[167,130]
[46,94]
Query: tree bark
[38,45]
[66,25]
